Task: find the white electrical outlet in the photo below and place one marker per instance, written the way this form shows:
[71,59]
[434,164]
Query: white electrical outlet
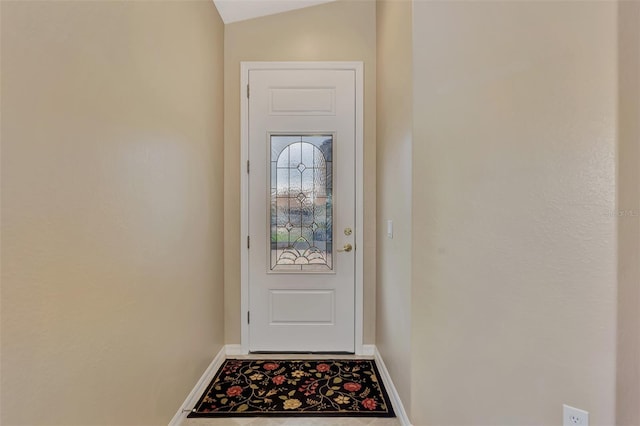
[572,416]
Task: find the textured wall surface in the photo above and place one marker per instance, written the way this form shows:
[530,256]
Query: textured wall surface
[341,31]
[394,130]
[514,243]
[628,212]
[111,217]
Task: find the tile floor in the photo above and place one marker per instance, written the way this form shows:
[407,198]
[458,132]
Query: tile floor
[295,421]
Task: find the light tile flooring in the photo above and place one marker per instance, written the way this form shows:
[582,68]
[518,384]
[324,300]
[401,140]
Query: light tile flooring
[295,421]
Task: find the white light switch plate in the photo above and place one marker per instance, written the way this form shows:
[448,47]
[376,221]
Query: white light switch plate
[389,229]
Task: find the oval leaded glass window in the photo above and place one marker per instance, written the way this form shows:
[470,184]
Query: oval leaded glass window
[301,203]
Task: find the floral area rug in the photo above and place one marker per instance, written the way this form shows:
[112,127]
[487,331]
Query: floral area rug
[295,388]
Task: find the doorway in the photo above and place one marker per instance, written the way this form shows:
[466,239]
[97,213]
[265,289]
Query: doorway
[302,207]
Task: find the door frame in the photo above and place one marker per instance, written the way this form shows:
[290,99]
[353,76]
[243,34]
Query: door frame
[358,68]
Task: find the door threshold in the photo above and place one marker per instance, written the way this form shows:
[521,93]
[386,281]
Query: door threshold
[301,353]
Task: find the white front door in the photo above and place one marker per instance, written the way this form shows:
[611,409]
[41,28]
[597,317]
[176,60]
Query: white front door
[301,210]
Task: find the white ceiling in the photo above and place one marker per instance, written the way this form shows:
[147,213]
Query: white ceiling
[239,10]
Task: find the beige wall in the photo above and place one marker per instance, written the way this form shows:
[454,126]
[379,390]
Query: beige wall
[111,221]
[394,134]
[628,389]
[340,31]
[514,243]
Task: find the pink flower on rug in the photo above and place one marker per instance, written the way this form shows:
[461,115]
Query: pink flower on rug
[278,380]
[352,387]
[234,391]
[369,404]
[270,366]
[323,367]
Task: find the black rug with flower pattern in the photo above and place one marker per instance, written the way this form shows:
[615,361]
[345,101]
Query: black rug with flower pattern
[295,388]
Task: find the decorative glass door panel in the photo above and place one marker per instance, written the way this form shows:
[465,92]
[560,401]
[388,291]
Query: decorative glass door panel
[301,213]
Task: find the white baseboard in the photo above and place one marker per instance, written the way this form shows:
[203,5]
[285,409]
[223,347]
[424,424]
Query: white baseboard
[235,350]
[368,350]
[401,414]
[199,388]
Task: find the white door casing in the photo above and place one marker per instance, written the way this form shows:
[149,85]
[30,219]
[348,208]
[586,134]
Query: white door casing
[315,307]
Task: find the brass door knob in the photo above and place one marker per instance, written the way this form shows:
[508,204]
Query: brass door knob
[347,247]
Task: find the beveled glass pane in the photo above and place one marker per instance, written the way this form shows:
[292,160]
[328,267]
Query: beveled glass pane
[282,175]
[273,211]
[278,143]
[301,203]
[295,154]
[282,211]
[293,188]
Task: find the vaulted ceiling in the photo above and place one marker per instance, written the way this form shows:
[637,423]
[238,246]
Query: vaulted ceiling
[240,10]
